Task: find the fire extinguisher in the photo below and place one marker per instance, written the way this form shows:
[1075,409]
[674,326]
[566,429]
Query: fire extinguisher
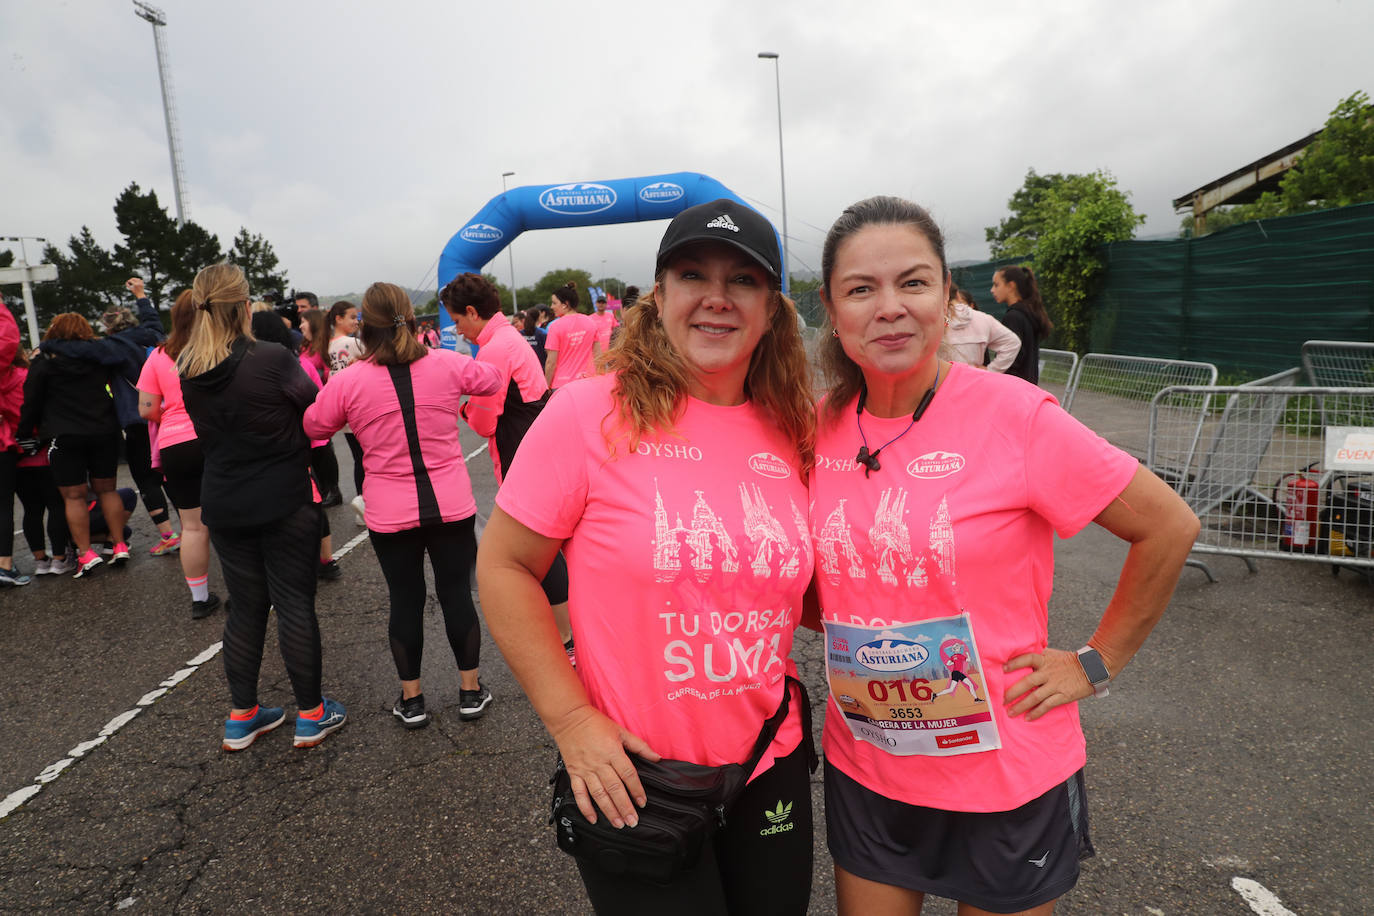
[1301,501]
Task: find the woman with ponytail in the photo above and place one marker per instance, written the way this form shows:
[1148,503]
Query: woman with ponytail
[401,400]
[1015,287]
[571,346]
[246,399]
[343,350]
[179,451]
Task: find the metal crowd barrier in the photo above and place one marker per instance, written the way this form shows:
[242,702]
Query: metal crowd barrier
[1112,394]
[1266,475]
[1056,371]
[1348,363]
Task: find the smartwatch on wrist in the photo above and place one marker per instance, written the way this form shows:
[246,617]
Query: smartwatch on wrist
[1096,670]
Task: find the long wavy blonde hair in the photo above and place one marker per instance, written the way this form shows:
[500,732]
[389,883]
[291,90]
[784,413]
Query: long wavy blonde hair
[220,296]
[651,388]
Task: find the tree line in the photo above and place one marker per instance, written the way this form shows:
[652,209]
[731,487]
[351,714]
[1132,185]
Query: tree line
[1061,222]
[90,277]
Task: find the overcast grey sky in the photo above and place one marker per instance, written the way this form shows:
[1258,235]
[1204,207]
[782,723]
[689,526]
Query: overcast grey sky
[358,137]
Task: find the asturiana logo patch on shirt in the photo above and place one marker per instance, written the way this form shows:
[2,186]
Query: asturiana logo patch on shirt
[933,465]
[769,465]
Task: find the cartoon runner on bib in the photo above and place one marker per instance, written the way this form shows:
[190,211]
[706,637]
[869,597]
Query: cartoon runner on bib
[955,656]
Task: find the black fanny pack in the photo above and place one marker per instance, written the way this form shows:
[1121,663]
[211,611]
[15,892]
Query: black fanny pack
[686,803]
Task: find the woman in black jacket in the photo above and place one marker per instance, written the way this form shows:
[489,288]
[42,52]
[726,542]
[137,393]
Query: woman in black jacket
[123,351]
[246,400]
[68,401]
[1015,287]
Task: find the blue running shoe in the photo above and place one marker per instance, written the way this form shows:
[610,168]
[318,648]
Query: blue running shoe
[310,732]
[240,733]
[12,577]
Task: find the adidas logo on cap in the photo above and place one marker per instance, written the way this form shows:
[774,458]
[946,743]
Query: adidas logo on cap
[748,231]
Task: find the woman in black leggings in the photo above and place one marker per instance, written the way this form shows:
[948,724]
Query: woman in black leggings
[402,399]
[246,399]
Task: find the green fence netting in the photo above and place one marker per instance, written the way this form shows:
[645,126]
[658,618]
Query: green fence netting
[1244,298]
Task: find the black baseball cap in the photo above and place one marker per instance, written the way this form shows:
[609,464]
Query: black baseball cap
[727,221]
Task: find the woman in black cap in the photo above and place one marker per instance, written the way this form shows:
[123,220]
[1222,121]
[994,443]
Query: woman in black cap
[678,496]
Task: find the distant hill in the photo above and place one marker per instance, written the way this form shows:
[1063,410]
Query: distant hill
[417,296]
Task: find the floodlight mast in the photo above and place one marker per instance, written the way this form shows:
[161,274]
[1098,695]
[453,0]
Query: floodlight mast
[158,19]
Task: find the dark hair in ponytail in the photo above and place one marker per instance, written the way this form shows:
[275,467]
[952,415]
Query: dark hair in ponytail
[567,294]
[337,311]
[388,327]
[1023,278]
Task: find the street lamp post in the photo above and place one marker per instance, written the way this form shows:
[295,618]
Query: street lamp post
[782,174]
[158,20]
[510,253]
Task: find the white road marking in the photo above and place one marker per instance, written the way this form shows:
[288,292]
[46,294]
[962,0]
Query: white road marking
[12,802]
[1260,898]
[350,545]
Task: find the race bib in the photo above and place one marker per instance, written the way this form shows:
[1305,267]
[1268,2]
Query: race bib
[912,689]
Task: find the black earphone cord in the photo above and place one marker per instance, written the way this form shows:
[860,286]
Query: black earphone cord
[870,459]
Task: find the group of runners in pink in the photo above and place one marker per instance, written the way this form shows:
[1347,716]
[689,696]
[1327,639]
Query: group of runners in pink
[674,503]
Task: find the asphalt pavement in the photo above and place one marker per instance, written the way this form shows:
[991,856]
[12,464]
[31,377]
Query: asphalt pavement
[1231,759]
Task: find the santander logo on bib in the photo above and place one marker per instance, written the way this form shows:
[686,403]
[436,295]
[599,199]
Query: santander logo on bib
[769,465]
[932,465]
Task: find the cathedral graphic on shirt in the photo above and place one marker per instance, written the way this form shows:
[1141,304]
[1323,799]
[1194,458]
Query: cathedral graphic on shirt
[710,546]
[889,538]
[834,541]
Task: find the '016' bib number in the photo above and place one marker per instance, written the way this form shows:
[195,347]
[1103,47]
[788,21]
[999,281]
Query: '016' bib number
[912,689]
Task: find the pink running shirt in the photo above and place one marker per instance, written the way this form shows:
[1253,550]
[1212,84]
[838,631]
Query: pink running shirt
[159,379]
[364,396]
[572,337]
[960,517]
[605,323]
[502,346]
[687,560]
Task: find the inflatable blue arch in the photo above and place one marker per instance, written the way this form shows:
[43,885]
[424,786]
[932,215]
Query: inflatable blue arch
[563,206]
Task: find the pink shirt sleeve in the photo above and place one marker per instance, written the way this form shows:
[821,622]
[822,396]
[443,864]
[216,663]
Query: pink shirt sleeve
[1072,473]
[554,338]
[482,411]
[159,379]
[325,416]
[476,378]
[147,377]
[546,490]
[311,371]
